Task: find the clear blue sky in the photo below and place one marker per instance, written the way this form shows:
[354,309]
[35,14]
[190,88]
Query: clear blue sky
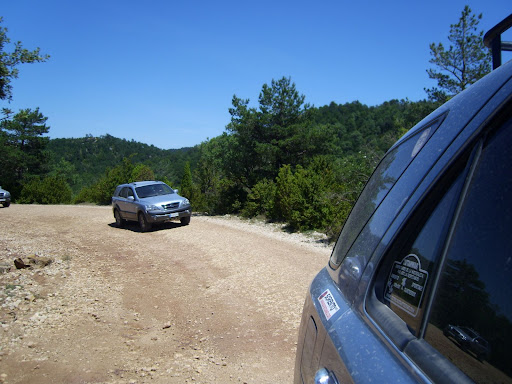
[163,72]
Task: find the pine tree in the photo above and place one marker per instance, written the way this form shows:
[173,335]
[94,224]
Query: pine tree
[464,62]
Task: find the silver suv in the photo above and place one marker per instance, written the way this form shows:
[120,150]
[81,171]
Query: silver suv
[149,202]
[5,198]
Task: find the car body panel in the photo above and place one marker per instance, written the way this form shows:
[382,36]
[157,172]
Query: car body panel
[351,344]
[5,197]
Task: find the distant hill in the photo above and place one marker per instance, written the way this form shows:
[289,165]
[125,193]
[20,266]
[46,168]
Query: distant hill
[84,160]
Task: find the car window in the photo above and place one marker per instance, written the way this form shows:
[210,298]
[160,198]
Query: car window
[153,190]
[409,268]
[384,177]
[125,192]
[471,316]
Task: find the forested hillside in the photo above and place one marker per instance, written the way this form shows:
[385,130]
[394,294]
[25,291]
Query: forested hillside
[84,160]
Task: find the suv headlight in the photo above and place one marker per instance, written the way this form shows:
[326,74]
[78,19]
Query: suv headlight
[150,208]
[184,202]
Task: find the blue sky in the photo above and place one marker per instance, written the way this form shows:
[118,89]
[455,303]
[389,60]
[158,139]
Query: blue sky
[164,72]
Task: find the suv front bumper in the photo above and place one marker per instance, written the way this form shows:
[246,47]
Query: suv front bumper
[161,217]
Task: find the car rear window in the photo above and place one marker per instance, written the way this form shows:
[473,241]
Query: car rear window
[384,177]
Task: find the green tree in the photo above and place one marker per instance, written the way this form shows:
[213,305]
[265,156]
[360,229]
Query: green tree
[464,62]
[261,200]
[142,172]
[267,138]
[186,186]
[47,190]
[213,184]
[101,192]
[22,150]
[9,61]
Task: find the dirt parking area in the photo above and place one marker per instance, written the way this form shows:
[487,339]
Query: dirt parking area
[217,301]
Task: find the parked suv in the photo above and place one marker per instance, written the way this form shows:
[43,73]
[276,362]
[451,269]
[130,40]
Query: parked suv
[149,202]
[468,340]
[428,244]
[5,197]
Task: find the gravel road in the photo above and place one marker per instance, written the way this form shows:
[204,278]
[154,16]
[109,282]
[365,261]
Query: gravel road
[217,301]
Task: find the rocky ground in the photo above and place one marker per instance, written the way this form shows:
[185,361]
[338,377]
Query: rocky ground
[217,301]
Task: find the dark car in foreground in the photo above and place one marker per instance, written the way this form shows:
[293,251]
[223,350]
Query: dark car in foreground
[149,202]
[5,198]
[428,244]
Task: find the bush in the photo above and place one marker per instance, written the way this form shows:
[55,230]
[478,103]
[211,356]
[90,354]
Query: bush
[50,190]
[260,200]
[101,192]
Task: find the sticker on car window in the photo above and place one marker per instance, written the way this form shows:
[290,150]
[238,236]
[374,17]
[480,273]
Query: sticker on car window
[406,284]
[328,304]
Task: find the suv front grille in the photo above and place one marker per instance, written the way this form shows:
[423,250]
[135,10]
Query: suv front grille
[171,205]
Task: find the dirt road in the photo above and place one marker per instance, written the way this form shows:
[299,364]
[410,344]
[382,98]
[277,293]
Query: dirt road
[217,301]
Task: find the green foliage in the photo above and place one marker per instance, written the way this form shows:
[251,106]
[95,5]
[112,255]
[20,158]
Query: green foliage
[48,190]
[22,147]
[142,172]
[212,181]
[464,62]
[82,161]
[288,196]
[101,192]
[9,61]
[350,176]
[186,187]
[261,200]
[294,163]
[302,196]
[266,139]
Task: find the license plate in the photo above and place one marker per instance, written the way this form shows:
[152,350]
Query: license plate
[175,214]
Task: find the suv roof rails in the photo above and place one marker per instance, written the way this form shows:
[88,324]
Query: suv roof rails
[492,40]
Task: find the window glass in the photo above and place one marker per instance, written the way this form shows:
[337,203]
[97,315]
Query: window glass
[384,177]
[124,192]
[410,263]
[471,316]
[154,190]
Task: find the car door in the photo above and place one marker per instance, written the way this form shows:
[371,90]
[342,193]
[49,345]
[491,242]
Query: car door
[125,202]
[375,334]
[130,204]
[449,266]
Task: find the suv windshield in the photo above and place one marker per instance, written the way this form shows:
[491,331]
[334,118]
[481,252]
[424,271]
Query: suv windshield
[153,190]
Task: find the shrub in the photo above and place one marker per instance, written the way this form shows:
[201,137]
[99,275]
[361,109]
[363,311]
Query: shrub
[260,200]
[49,190]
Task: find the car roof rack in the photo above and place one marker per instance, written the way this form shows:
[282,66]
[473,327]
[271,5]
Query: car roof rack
[492,40]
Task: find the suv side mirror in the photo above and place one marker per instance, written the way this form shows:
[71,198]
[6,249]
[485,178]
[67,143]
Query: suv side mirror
[131,198]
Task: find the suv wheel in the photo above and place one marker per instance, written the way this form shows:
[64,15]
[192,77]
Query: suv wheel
[6,204]
[185,220]
[143,223]
[119,219]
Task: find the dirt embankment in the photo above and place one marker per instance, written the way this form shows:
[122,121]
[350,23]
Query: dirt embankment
[217,301]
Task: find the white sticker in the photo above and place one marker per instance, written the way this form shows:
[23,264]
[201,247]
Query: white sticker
[329,305]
